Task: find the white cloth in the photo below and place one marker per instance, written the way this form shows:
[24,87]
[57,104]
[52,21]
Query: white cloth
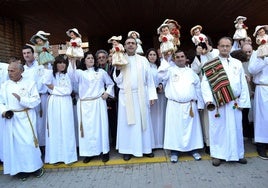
[92,110]
[3,78]
[262,41]
[75,51]
[139,49]
[240,32]
[131,138]
[196,39]
[182,132]
[35,73]
[20,153]
[259,70]
[60,134]
[196,66]
[225,132]
[158,111]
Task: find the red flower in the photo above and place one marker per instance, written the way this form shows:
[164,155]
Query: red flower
[117,49]
[74,44]
[201,39]
[164,39]
[263,41]
[44,49]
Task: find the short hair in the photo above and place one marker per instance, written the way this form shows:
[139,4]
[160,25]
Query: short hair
[226,38]
[130,37]
[101,51]
[28,47]
[18,63]
[240,55]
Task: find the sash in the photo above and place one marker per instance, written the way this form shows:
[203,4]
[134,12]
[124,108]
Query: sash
[218,81]
[129,96]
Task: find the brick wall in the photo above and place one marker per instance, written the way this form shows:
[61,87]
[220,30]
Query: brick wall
[10,38]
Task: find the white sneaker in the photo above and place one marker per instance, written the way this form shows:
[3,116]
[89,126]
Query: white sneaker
[174,158]
[196,156]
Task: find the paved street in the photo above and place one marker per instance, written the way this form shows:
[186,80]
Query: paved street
[155,172]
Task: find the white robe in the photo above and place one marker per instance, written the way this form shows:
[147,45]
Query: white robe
[131,138]
[158,111]
[60,134]
[259,69]
[35,73]
[225,132]
[92,110]
[20,153]
[196,67]
[3,78]
[182,132]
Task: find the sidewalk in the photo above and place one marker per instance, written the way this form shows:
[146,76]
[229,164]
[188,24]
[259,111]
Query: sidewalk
[151,172]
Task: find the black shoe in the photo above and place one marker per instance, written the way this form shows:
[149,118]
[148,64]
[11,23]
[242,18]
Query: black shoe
[150,155]
[261,150]
[38,173]
[1,162]
[23,176]
[87,159]
[242,161]
[126,157]
[105,157]
[216,162]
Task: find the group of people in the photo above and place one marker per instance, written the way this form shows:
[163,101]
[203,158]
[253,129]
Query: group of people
[157,101]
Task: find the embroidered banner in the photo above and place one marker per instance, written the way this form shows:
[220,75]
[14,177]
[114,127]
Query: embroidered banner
[219,82]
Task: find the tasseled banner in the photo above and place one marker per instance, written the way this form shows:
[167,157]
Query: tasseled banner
[217,115]
[191,110]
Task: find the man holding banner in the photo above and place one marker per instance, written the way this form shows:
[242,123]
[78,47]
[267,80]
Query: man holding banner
[225,92]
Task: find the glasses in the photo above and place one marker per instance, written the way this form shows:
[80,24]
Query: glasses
[128,43]
[225,46]
[101,57]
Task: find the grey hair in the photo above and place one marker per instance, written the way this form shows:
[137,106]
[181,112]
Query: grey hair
[101,51]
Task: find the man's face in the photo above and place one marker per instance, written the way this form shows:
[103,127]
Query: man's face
[130,46]
[14,72]
[224,47]
[28,55]
[247,49]
[102,59]
[180,59]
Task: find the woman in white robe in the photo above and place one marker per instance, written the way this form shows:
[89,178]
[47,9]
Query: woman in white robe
[94,87]
[158,110]
[60,134]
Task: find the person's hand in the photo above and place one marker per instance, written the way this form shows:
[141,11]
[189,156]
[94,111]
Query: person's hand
[50,86]
[105,96]
[152,102]
[16,95]
[118,67]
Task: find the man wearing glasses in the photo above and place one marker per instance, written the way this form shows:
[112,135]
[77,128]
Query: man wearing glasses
[137,92]
[102,59]
[225,92]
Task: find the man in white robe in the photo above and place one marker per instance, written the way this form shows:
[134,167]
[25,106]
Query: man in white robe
[34,72]
[199,61]
[3,78]
[225,131]
[183,131]
[18,98]
[259,69]
[137,92]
